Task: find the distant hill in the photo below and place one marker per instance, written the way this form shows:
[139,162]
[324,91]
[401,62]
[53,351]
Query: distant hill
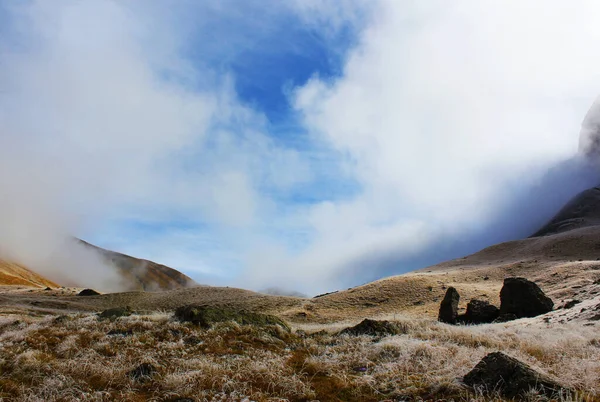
[15,274]
[137,274]
[143,274]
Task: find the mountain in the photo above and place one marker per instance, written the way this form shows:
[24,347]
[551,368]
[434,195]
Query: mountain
[15,274]
[143,274]
[581,211]
[137,274]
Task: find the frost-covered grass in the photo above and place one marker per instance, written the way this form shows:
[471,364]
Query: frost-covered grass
[74,358]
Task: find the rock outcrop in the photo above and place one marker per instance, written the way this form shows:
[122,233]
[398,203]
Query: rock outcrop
[88,292]
[480,312]
[523,298]
[511,378]
[449,307]
[373,328]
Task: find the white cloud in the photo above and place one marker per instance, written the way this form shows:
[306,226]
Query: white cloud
[440,109]
[109,112]
[99,120]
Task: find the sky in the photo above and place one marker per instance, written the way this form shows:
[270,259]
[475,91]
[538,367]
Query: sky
[308,145]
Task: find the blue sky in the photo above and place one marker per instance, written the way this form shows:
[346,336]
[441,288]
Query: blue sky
[309,145]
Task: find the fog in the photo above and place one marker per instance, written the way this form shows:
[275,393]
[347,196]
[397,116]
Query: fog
[445,128]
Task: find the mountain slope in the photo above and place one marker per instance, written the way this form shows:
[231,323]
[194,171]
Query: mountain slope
[14,274]
[581,211]
[137,274]
[143,274]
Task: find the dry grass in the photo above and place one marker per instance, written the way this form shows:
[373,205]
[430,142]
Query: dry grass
[15,274]
[74,358]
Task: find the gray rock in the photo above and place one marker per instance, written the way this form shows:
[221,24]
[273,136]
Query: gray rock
[499,373]
[88,292]
[523,298]
[373,328]
[449,307]
[480,312]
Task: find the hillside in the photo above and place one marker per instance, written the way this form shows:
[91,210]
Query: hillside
[565,265]
[143,274]
[137,274]
[14,274]
[582,211]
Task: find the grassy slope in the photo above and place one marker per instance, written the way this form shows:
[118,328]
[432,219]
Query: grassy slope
[14,274]
[137,274]
[564,265]
[75,358]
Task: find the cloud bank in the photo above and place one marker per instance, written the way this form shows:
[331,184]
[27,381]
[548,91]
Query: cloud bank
[448,127]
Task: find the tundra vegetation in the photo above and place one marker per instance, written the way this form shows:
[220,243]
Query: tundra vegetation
[158,357]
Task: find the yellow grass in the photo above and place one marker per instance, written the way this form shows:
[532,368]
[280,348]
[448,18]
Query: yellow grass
[73,358]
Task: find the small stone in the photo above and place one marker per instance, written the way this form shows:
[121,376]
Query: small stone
[88,292]
[571,303]
[373,328]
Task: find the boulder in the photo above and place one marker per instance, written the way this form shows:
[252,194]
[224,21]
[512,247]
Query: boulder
[88,292]
[449,307]
[206,316]
[499,373]
[373,328]
[523,298]
[480,312]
